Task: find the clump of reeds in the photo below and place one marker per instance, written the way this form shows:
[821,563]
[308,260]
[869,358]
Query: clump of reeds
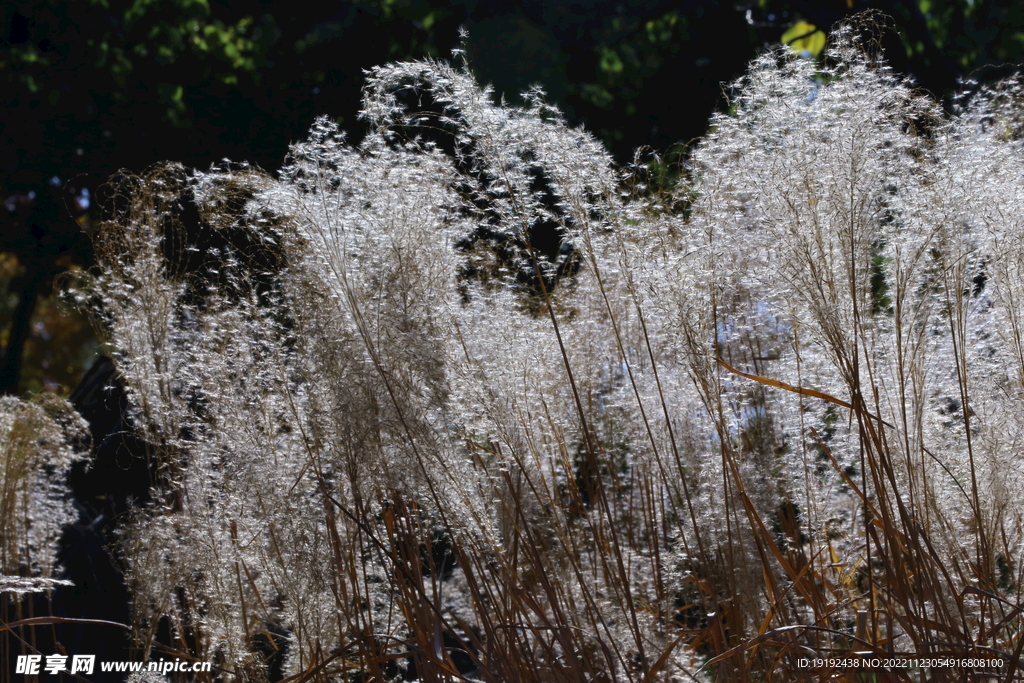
[464,401]
[40,440]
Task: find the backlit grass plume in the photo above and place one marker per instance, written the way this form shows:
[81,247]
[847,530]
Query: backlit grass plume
[39,442]
[466,401]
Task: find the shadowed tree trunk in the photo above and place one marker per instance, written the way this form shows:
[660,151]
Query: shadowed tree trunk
[34,280]
[38,230]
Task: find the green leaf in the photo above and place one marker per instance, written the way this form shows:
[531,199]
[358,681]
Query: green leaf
[171,94]
[610,61]
[597,94]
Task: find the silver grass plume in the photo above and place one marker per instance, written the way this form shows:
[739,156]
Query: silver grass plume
[459,389]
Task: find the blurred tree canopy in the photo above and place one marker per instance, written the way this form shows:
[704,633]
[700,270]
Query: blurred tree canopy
[101,85]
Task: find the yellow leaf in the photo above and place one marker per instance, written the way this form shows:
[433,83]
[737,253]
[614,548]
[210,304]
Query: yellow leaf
[804,37]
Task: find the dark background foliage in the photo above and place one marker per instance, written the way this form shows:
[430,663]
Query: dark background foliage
[93,87]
